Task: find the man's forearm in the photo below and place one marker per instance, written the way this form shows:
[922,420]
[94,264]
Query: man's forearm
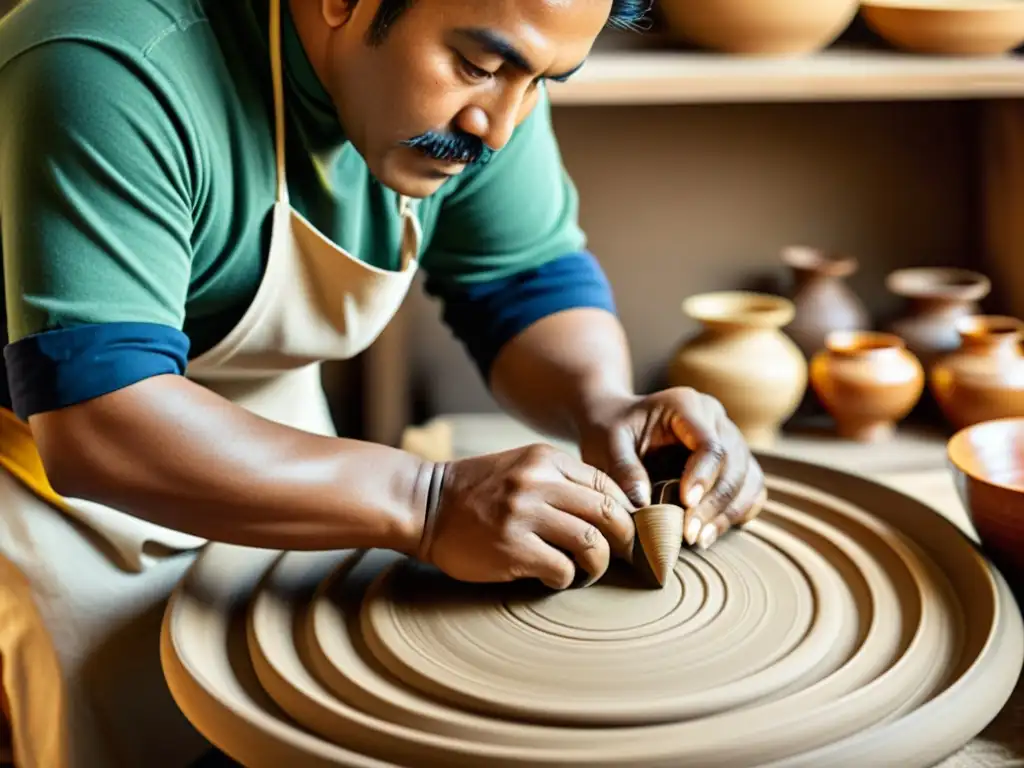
[169,451]
[554,373]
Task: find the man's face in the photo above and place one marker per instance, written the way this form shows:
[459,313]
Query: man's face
[450,79]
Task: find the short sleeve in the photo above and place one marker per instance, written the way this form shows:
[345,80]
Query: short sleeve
[95,193]
[95,226]
[517,212]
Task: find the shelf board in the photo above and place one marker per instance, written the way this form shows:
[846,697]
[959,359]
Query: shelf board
[639,75]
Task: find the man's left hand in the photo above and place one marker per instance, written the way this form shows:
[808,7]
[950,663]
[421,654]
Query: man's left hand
[722,484]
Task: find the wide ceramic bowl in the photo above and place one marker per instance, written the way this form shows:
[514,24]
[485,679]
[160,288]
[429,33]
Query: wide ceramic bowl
[948,27]
[758,27]
[987,461]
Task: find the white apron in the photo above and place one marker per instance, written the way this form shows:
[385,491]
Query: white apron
[83,586]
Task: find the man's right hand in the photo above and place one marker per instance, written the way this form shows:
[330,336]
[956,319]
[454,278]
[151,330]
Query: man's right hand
[526,513]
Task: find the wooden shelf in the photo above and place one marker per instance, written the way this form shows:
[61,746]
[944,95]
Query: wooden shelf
[652,74]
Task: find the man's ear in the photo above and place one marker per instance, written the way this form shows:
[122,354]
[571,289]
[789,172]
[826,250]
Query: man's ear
[336,12]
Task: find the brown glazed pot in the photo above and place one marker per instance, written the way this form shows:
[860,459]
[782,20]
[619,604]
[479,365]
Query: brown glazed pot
[742,357]
[987,461]
[984,379]
[823,301]
[867,381]
[938,298]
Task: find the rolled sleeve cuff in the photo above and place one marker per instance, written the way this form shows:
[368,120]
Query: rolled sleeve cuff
[55,369]
[485,316]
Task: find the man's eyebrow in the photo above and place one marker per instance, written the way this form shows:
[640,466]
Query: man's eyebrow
[499,46]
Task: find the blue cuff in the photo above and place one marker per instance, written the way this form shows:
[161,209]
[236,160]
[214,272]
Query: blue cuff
[59,368]
[485,316]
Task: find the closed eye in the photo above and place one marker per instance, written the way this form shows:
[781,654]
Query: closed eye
[472,70]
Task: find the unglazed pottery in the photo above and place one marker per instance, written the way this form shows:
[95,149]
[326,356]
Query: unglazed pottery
[988,465]
[937,298]
[743,358]
[867,381]
[849,625]
[948,27]
[756,27]
[659,534]
[823,300]
[984,379]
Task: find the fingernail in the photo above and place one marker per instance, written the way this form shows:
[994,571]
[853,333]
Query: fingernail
[694,495]
[639,496]
[708,536]
[692,530]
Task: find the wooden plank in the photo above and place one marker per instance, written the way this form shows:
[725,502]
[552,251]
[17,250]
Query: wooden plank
[637,75]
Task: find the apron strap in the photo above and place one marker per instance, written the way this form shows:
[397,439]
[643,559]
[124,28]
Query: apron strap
[410,223]
[278,77]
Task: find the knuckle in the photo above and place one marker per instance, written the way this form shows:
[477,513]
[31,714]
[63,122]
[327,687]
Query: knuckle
[538,453]
[725,492]
[589,537]
[607,509]
[715,448]
[518,570]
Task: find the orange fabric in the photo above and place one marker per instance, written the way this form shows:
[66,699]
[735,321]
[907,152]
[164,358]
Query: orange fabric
[19,456]
[28,650]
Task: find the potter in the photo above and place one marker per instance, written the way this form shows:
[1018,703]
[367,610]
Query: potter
[201,201]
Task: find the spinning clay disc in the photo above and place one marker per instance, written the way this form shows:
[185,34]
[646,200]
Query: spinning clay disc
[849,625]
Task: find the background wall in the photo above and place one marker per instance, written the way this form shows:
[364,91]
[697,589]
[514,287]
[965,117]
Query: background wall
[680,200]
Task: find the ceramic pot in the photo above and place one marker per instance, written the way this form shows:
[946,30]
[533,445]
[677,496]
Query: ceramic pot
[937,298]
[867,381]
[984,379]
[757,27]
[965,28]
[742,357]
[823,301]
[987,462]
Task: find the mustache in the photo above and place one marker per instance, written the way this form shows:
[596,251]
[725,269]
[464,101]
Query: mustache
[455,146]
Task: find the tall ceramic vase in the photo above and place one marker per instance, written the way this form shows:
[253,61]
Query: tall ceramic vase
[937,298]
[984,379]
[742,357]
[823,301]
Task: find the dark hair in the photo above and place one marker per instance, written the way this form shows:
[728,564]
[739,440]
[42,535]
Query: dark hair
[625,14]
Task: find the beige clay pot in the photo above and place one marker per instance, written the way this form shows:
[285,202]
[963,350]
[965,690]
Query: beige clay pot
[744,359]
[867,381]
[758,27]
[984,379]
[948,27]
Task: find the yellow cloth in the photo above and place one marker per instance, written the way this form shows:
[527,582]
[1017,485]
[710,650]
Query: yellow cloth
[19,456]
[31,662]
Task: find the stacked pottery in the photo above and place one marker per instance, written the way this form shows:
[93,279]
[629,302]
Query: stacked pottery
[823,301]
[742,358]
[868,382]
[984,379]
[937,298]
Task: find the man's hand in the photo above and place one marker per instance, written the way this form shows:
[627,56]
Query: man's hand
[526,513]
[722,484]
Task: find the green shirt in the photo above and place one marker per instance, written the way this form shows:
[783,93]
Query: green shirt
[137,171]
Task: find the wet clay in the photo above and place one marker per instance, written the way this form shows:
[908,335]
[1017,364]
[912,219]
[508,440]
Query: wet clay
[849,625]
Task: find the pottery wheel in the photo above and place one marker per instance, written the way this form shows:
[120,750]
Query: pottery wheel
[848,626]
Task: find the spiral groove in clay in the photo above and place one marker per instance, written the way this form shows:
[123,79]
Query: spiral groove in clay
[847,626]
